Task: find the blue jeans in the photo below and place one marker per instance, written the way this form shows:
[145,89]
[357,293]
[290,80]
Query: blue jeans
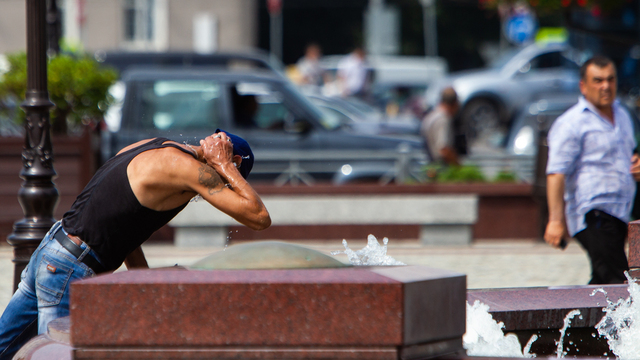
[43,293]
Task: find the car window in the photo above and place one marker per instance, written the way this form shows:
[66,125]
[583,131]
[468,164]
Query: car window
[334,115]
[258,105]
[547,60]
[503,59]
[180,105]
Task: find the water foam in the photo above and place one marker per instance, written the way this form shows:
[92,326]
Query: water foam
[484,335]
[621,323]
[371,255]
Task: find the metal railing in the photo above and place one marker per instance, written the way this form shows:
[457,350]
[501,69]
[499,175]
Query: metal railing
[400,165]
[297,167]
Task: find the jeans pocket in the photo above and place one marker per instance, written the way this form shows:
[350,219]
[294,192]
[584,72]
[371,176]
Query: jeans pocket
[52,279]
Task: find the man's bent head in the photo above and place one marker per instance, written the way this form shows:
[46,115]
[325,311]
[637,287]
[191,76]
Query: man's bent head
[241,147]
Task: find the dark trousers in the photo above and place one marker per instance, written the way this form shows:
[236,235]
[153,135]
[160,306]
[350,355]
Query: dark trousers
[603,239]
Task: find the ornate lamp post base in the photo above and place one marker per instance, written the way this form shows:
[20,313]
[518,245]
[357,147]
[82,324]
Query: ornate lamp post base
[38,195]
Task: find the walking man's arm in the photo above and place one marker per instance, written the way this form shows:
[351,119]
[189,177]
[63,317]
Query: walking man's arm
[556,227]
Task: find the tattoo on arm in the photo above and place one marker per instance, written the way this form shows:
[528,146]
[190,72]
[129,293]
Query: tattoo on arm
[210,178]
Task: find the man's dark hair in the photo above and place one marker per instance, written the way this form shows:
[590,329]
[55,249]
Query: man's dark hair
[599,61]
[449,96]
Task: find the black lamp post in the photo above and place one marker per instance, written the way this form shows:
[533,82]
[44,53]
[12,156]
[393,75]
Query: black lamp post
[38,195]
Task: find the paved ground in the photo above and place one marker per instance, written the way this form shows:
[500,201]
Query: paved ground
[487,264]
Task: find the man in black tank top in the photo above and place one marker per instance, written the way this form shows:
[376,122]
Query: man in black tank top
[132,195]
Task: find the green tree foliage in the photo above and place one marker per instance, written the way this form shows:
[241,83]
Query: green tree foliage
[78,86]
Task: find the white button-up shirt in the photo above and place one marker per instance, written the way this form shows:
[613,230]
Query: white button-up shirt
[595,157]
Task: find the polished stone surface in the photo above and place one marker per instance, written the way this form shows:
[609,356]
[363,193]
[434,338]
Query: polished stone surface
[53,345]
[408,308]
[535,308]
[634,244]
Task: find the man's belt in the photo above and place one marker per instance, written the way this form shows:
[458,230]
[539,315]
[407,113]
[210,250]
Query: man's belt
[77,251]
[595,214]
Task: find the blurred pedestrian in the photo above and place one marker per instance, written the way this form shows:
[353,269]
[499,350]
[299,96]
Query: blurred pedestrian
[352,74]
[309,69]
[131,196]
[591,171]
[437,129]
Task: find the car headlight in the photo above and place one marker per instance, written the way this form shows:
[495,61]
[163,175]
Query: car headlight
[523,143]
[346,169]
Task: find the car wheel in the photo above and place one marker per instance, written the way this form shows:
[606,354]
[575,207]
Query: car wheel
[482,124]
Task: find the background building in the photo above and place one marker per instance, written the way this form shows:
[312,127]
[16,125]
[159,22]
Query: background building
[134,25]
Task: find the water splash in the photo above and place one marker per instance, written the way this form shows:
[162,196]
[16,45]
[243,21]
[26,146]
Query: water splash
[527,348]
[560,343]
[621,322]
[484,335]
[371,255]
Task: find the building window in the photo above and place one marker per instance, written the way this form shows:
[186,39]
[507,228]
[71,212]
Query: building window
[139,22]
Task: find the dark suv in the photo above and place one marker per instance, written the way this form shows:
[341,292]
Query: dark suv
[292,139]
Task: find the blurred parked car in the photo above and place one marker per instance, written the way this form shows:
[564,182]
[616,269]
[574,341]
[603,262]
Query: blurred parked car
[395,81]
[490,97]
[362,117]
[531,126]
[256,59]
[534,121]
[291,138]
[396,70]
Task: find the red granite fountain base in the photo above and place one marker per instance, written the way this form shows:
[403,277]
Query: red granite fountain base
[541,311]
[338,313]
[365,313]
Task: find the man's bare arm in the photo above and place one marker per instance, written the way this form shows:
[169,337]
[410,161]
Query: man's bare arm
[556,227]
[239,200]
[449,155]
[635,167]
[136,260]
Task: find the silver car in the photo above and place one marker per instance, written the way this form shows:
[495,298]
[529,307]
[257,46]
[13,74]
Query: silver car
[490,97]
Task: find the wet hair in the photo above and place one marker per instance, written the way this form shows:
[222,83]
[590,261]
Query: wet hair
[448,96]
[599,61]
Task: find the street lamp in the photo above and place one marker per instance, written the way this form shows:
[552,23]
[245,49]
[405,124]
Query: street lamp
[429,27]
[275,27]
[38,195]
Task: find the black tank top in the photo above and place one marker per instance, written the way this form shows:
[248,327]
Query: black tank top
[109,217]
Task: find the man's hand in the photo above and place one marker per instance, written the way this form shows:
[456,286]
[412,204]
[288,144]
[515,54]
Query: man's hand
[635,167]
[449,155]
[557,227]
[217,150]
[556,231]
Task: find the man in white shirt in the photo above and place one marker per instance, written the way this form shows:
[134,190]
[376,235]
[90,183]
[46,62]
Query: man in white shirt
[352,73]
[590,173]
[437,129]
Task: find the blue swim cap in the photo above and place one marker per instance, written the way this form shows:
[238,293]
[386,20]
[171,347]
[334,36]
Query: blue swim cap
[242,148]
